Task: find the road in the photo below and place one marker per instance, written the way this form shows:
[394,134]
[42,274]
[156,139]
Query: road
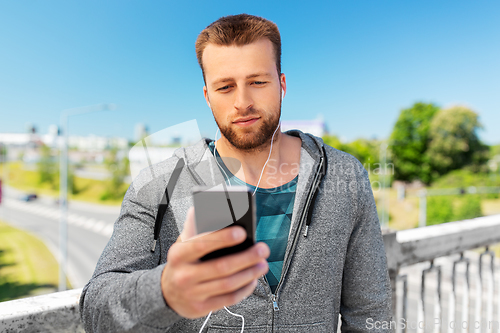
[89,229]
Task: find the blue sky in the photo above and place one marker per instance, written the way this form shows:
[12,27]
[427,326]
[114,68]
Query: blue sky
[358,63]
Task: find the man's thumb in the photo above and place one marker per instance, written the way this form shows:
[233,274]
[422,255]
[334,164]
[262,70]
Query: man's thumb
[189,230]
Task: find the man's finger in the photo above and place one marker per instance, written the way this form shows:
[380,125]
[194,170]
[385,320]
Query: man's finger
[218,302]
[233,263]
[233,282]
[195,248]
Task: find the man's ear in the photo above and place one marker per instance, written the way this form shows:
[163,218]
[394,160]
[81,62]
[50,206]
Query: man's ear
[283,84]
[205,93]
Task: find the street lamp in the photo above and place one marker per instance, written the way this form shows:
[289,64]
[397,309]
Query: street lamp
[384,212]
[63,184]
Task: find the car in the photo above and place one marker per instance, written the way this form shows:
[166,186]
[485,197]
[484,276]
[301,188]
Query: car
[28,197]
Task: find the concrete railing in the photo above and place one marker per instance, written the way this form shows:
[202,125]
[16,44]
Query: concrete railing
[445,267]
[58,312]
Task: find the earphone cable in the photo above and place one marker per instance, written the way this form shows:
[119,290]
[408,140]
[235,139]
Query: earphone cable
[215,155]
[268,157]
[205,322]
[261,173]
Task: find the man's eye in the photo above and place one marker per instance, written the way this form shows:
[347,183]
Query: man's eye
[259,82]
[223,88]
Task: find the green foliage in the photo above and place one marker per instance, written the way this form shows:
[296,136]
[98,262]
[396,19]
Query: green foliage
[409,142]
[466,178]
[48,171]
[119,169]
[427,143]
[494,151]
[26,180]
[469,208]
[46,166]
[72,188]
[27,268]
[3,153]
[439,210]
[366,151]
[333,141]
[454,142]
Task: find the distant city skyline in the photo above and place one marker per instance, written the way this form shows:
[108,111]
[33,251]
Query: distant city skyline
[177,134]
[358,63]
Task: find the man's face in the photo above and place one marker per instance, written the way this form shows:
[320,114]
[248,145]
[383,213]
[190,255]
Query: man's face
[243,89]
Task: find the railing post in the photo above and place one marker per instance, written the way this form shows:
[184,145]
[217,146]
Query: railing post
[489,299]
[465,295]
[402,306]
[392,250]
[393,275]
[422,213]
[437,300]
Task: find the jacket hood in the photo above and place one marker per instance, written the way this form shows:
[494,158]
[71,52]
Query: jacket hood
[198,156]
[202,167]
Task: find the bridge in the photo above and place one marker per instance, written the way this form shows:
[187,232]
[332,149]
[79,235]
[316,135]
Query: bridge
[443,280]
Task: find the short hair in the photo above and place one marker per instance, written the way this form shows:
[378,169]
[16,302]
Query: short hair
[239,30]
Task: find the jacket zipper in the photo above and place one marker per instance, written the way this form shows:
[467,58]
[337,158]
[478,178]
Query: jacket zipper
[294,244]
[275,304]
[273,296]
[296,236]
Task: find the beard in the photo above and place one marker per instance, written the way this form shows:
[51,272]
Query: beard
[252,139]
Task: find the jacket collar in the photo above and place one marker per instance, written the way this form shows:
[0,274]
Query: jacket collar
[202,166]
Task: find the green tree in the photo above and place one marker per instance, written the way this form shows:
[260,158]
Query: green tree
[46,167]
[469,208]
[119,169]
[494,151]
[333,141]
[3,153]
[409,142]
[439,209]
[454,142]
[48,171]
[366,151]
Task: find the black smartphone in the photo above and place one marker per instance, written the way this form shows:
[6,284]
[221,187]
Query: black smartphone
[221,207]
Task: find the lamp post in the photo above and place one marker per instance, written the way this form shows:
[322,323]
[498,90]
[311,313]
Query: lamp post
[384,212]
[63,184]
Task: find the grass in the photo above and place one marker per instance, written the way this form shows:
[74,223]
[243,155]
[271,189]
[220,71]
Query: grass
[404,214]
[27,267]
[491,206]
[89,190]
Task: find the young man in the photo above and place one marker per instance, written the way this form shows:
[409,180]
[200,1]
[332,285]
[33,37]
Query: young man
[321,251]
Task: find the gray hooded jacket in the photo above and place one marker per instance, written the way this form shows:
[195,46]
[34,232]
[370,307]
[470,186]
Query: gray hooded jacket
[339,267]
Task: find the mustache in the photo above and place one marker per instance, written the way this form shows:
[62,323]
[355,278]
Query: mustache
[249,112]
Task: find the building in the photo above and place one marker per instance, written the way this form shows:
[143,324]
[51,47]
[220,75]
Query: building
[89,148]
[315,127]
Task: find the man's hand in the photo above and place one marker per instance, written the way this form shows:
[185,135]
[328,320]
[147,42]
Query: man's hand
[193,288]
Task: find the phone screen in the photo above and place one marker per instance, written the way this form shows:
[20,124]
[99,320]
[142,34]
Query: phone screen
[216,208]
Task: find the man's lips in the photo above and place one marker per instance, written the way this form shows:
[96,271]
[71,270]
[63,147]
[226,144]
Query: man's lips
[245,121]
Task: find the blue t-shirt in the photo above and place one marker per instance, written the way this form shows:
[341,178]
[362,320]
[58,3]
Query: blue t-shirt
[274,218]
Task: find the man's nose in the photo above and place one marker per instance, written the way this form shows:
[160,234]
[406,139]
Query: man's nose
[243,99]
